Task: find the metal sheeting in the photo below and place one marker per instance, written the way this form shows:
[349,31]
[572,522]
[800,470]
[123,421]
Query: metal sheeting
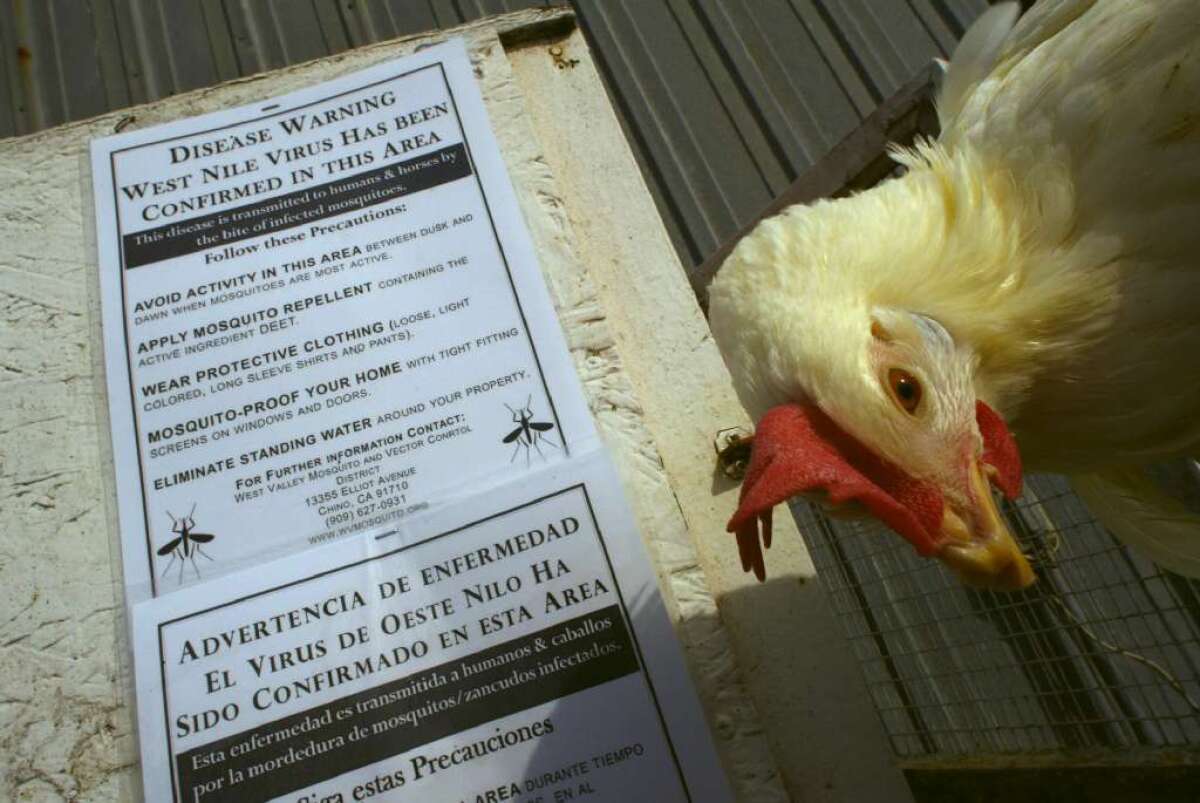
[725,101]
[64,60]
[729,100]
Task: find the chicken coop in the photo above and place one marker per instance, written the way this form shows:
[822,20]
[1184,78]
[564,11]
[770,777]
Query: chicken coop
[1085,686]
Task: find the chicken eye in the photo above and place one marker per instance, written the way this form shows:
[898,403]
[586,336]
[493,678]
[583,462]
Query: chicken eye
[906,390]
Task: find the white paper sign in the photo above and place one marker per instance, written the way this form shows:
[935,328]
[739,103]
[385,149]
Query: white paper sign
[514,648]
[322,314]
[351,444]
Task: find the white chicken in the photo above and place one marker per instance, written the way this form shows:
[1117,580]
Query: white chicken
[1038,264]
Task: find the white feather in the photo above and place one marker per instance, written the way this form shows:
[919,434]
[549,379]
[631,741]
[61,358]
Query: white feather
[974,57]
[1139,513]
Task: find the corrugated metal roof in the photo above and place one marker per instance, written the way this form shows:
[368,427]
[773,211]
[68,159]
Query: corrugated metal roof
[725,101]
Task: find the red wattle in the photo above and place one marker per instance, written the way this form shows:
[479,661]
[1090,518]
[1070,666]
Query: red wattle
[999,450]
[797,449]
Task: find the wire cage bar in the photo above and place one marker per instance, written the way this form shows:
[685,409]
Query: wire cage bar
[1101,654]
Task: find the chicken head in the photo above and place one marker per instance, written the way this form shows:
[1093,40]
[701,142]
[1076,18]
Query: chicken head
[892,426]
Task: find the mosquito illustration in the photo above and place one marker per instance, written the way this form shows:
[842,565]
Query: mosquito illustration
[528,434]
[186,546]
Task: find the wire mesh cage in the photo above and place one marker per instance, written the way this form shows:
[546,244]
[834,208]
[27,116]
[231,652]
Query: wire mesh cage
[1101,654]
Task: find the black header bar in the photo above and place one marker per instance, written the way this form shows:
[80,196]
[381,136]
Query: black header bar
[493,683]
[350,194]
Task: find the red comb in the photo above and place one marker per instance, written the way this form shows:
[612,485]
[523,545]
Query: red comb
[797,448]
[999,450]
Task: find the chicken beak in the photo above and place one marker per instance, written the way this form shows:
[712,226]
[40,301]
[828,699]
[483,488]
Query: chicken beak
[977,543]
